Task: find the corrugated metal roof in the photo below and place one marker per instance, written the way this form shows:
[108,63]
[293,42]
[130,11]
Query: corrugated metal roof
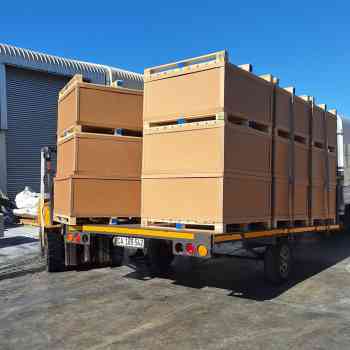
[96,73]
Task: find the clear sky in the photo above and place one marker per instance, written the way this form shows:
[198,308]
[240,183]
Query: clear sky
[305,43]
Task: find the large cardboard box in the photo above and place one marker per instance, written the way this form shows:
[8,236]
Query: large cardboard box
[87,197]
[291,197]
[99,155]
[214,149]
[217,174]
[292,116]
[214,201]
[320,198]
[205,86]
[323,119]
[99,106]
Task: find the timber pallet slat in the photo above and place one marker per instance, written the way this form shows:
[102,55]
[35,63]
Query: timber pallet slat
[322,222]
[210,227]
[73,221]
[285,223]
[99,130]
[212,119]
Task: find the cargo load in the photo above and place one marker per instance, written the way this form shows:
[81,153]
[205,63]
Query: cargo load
[99,153]
[91,106]
[225,149]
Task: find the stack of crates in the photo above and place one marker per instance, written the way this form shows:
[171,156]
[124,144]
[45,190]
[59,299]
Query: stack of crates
[99,152]
[291,159]
[206,146]
[224,149]
[324,165]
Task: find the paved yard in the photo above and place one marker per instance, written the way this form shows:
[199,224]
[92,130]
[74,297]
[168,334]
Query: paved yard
[222,304]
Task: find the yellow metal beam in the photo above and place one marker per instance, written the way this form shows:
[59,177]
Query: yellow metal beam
[236,236]
[217,238]
[147,232]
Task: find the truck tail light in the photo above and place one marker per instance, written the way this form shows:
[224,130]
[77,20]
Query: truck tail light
[77,238]
[202,250]
[190,248]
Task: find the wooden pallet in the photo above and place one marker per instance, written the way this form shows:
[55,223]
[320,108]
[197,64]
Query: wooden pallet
[211,227]
[322,222]
[99,130]
[29,221]
[188,65]
[211,119]
[286,223]
[70,220]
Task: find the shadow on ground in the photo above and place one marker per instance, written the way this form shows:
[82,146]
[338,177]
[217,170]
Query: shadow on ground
[16,240]
[245,278]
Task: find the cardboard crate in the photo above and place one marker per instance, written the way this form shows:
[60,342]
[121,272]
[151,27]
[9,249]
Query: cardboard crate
[217,149]
[87,197]
[206,174]
[319,166]
[332,129]
[99,106]
[296,115]
[319,202]
[205,86]
[214,201]
[301,201]
[99,155]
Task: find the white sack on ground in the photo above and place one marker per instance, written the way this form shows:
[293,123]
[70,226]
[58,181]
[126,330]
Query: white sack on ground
[27,202]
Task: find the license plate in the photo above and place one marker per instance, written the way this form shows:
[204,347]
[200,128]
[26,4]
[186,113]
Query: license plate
[130,242]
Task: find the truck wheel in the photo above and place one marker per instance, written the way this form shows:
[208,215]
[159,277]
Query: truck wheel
[160,256]
[117,255]
[54,252]
[278,263]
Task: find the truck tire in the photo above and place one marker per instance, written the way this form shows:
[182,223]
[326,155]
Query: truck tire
[54,252]
[117,255]
[160,256]
[278,263]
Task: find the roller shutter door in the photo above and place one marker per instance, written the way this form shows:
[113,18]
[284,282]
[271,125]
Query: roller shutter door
[32,119]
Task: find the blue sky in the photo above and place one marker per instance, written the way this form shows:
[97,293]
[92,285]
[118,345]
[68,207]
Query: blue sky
[304,43]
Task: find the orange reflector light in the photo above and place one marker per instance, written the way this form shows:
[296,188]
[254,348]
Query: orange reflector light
[190,248]
[202,250]
[69,237]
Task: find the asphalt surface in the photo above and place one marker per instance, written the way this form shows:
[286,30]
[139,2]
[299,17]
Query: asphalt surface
[219,304]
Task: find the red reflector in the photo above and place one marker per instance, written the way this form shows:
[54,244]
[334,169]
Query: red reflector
[77,238]
[190,248]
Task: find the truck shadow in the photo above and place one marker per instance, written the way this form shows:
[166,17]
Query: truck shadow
[14,241]
[245,278]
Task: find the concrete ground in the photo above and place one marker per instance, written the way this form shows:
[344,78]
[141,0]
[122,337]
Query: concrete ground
[219,304]
[18,243]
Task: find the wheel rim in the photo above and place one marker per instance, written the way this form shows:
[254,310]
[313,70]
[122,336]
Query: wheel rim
[284,261]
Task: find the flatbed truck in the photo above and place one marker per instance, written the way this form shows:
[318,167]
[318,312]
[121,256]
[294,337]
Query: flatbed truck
[67,245]
[89,243]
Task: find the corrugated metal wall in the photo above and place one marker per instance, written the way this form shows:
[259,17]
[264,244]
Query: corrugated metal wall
[32,119]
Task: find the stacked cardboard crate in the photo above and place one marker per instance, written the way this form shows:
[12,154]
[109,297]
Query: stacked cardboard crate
[291,158]
[99,152]
[224,148]
[324,165]
[206,145]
